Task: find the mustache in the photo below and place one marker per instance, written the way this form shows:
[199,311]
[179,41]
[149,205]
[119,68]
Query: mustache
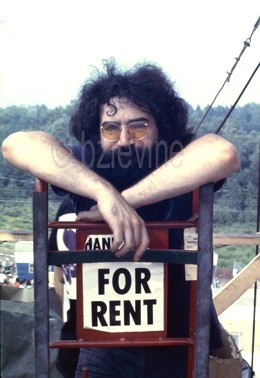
[128,156]
[124,166]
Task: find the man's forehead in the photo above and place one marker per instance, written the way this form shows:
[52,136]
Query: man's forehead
[119,102]
[116,104]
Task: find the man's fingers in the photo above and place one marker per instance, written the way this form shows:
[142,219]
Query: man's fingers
[128,242]
[135,238]
[85,215]
[143,246]
[93,215]
[140,251]
[118,240]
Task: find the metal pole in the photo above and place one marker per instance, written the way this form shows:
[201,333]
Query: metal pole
[204,296]
[41,298]
[256,253]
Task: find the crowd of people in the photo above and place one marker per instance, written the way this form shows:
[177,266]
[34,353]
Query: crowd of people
[8,280]
[11,280]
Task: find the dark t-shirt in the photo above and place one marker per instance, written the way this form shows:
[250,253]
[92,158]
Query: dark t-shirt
[178,208]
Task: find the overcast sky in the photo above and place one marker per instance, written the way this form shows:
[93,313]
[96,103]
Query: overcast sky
[48,46]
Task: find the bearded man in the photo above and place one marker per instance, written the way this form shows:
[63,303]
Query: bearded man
[136,160]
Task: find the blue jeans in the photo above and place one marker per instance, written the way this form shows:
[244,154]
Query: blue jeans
[134,362]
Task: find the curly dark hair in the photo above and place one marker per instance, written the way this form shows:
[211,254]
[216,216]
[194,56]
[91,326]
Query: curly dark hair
[146,86]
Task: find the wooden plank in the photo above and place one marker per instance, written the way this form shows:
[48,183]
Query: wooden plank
[218,239]
[237,286]
[15,235]
[191,239]
[236,239]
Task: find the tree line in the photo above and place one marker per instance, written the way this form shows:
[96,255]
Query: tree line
[235,206]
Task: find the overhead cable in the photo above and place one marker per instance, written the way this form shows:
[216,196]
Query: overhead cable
[234,105]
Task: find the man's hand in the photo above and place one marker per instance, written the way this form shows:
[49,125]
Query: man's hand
[52,162]
[93,215]
[128,228]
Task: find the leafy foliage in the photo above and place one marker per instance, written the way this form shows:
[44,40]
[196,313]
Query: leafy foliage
[235,207]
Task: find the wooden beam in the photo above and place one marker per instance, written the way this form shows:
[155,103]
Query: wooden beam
[15,235]
[236,239]
[237,286]
[218,239]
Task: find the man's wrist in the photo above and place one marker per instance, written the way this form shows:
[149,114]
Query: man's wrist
[130,199]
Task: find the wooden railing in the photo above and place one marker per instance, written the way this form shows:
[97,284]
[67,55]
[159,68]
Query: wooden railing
[228,295]
[15,235]
[218,239]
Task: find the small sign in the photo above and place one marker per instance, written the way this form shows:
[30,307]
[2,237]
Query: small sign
[191,243]
[123,297]
[99,242]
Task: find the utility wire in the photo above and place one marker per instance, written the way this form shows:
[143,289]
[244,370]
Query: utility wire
[246,44]
[234,105]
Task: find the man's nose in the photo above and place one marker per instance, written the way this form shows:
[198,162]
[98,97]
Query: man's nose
[125,139]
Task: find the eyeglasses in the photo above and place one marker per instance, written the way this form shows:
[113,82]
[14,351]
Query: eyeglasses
[136,129]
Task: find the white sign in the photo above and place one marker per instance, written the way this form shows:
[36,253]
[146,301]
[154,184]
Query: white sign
[99,242]
[123,297]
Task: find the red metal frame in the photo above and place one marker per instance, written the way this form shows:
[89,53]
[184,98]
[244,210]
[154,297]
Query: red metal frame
[92,335]
[158,232]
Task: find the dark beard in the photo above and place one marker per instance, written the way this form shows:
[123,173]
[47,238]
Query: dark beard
[125,166]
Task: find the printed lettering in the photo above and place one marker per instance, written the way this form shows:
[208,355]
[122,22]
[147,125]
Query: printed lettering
[113,313]
[96,244]
[149,303]
[106,243]
[128,281]
[98,311]
[135,313]
[102,281]
[142,276]
[88,244]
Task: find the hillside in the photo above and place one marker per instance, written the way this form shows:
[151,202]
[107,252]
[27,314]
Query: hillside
[235,207]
